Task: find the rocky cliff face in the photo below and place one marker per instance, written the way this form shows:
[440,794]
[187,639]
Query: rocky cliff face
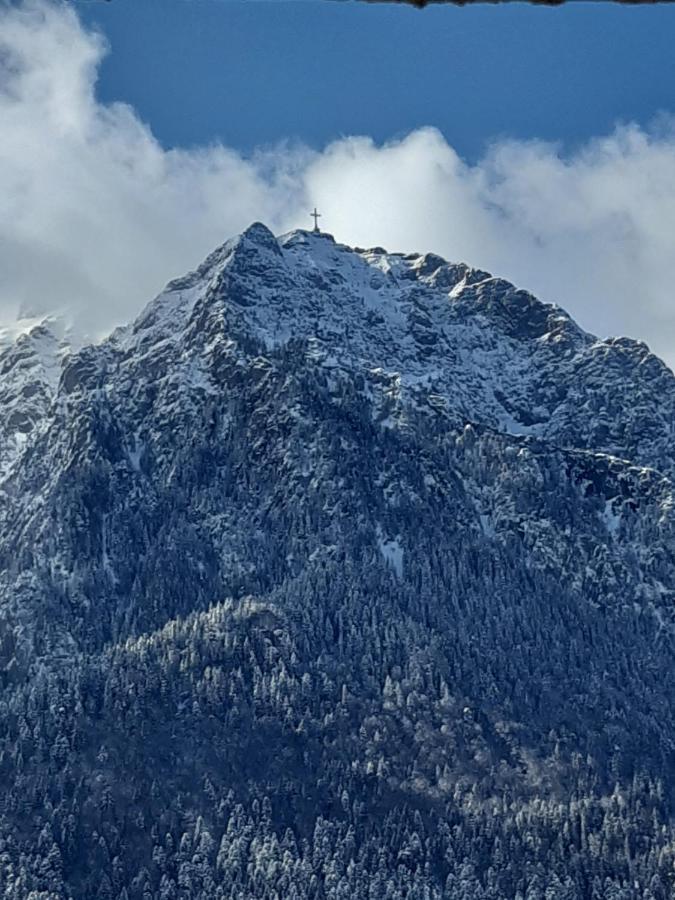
[414,523]
[30,363]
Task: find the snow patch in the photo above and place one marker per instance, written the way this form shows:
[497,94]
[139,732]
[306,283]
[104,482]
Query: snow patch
[611,519]
[392,552]
[136,454]
[487,526]
[105,559]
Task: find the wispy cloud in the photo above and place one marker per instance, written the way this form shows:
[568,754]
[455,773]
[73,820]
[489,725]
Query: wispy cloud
[95,215]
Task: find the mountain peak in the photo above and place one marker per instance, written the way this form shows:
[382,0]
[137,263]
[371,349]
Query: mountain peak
[260,234]
[415,326]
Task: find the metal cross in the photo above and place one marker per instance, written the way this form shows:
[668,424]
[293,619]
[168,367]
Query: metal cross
[316,216]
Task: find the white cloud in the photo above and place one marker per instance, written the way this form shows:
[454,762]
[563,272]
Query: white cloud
[95,216]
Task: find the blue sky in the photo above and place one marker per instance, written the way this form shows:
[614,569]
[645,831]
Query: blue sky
[535,143]
[250,73]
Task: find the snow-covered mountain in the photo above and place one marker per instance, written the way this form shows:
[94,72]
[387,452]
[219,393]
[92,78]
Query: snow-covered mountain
[416,327]
[410,496]
[415,344]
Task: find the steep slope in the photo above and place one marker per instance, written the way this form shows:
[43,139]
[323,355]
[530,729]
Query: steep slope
[31,353]
[372,547]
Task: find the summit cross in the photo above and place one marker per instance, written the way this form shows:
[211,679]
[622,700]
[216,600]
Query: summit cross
[316,216]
